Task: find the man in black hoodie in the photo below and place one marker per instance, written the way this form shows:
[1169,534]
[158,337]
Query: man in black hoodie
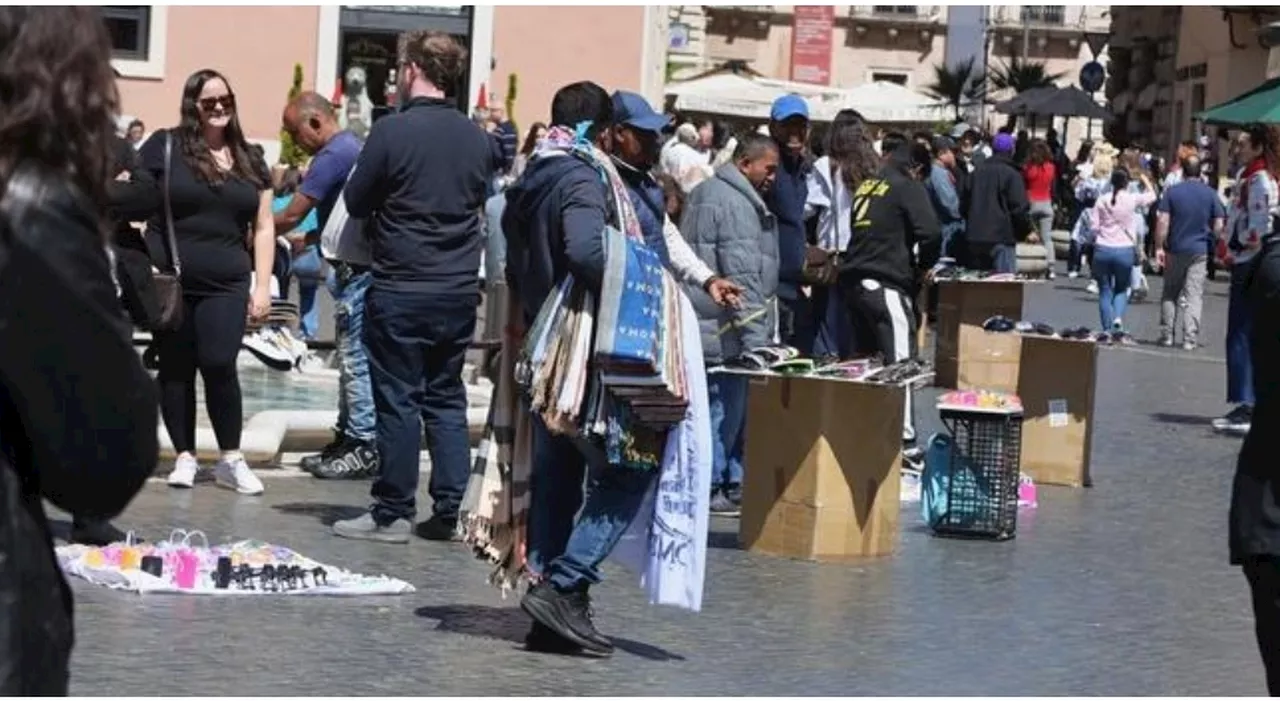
[554,220]
[999,212]
[420,183]
[895,237]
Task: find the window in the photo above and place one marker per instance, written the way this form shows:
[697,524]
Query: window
[900,10]
[130,30]
[1044,14]
[899,78]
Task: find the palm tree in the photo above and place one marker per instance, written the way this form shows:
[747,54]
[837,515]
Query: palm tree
[957,86]
[1020,75]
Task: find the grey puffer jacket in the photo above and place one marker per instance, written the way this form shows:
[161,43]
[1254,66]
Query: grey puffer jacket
[728,225]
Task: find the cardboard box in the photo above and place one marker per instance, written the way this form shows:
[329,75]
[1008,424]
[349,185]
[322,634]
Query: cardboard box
[968,357]
[822,468]
[1057,383]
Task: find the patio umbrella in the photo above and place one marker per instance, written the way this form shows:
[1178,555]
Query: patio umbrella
[1259,105]
[1069,102]
[1018,103]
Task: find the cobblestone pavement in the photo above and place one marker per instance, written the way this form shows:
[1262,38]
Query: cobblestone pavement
[1123,589]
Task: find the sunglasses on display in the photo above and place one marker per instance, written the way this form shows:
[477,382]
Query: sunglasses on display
[209,104]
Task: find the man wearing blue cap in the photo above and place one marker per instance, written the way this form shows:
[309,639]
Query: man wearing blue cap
[637,143]
[789,128]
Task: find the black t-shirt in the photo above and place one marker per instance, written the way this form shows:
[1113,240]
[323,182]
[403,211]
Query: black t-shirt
[210,222]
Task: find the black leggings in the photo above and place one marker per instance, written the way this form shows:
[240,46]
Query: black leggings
[1264,586]
[209,340]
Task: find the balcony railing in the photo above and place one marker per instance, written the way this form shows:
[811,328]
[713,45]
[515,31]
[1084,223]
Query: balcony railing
[906,14]
[1050,17]
[1055,15]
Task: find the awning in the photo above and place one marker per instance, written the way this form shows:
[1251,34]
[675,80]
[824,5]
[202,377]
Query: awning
[884,102]
[1259,105]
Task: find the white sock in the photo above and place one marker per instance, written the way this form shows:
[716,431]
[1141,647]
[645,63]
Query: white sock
[231,456]
[186,455]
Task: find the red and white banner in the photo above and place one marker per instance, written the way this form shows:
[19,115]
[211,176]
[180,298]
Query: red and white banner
[811,44]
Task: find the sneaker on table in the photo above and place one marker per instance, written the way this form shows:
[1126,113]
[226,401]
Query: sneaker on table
[184,472]
[234,474]
[1238,420]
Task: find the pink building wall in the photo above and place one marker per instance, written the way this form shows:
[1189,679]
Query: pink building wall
[255,47]
[601,44]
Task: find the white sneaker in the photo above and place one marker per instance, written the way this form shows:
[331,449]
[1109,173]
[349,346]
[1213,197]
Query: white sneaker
[184,472]
[235,474]
[1092,287]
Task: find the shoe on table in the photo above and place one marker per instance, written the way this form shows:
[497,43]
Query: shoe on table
[542,639]
[567,614]
[234,474]
[1238,420]
[722,505]
[95,533]
[184,471]
[439,528]
[366,528]
[310,462]
[353,461]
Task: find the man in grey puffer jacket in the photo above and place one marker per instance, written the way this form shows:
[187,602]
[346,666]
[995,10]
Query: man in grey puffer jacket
[730,228]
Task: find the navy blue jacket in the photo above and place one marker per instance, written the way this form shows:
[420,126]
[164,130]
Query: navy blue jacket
[650,203]
[421,180]
[554,222]
[786,201]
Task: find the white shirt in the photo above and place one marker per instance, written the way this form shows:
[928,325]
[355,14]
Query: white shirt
[834,222]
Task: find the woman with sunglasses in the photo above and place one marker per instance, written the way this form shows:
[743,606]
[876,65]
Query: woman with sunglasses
[219,199]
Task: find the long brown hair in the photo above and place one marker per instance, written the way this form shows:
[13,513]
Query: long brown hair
[850,151]
[58,99]
[246,163]
[1039,153]
[1267,139]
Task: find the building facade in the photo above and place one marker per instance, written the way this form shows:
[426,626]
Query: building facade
[157,47]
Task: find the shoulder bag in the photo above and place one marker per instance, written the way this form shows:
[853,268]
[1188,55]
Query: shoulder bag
[169,285]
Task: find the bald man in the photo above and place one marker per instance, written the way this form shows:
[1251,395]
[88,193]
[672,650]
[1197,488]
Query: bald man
[310,120]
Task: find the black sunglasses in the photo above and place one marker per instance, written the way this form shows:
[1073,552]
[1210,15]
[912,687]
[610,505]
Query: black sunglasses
[209,104]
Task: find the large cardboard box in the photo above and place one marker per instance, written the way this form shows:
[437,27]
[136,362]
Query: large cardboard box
[822,471]
[968,357]
[1057,382]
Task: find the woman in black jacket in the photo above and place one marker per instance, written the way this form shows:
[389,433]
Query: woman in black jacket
[77,410]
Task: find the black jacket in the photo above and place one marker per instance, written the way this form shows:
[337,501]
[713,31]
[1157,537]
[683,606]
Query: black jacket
[421,179]
[999,212]
[556,213]
[893,220]
[77,414]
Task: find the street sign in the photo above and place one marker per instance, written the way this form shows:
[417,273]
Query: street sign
[1097,41]
[1092,76]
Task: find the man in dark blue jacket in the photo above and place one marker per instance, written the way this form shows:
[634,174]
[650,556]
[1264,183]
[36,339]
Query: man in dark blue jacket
[420,182]
[789,127]
[554,219]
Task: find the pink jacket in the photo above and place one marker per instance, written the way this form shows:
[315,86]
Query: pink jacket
[1116,226]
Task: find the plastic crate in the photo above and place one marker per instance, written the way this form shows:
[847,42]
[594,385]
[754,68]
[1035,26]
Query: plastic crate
[986,462]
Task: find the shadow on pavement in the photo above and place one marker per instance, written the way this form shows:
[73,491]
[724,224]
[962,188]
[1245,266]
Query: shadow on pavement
[511,624]
[1183,419]
[327,514]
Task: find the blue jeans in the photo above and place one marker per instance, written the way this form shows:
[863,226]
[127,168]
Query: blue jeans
[1113,269]
[308,267]
[417,343]
[566,552]
[728,403]
[356,418]
[834,335]
[1240,310]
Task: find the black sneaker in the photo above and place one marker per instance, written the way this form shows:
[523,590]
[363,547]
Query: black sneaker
[355,461]
[438,528]
[1238,420]
[542,639]
[309,463]
[567,614]
[95,533]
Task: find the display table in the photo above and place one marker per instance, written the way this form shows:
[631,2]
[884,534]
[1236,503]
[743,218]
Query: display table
[822,467]
[968,357]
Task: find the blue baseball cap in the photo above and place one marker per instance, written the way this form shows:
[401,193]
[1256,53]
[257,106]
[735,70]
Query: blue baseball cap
[789,106]
[634,111]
